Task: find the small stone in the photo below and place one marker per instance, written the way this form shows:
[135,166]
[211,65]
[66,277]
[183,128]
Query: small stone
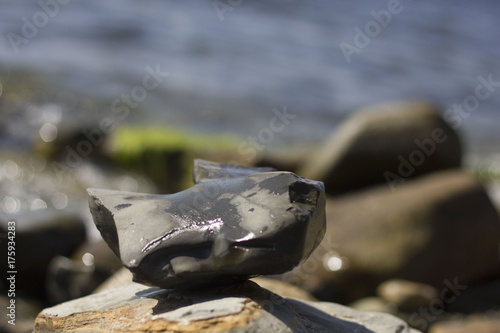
[374,304]
[407,295]
[235,223]
[486,325]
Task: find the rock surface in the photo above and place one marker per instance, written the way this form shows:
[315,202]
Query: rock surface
[405,139]
[375,304]
[487,325]
[478,298]
[78,276]
[407,295]
[124,278]
[24,313]
[40,236]
[432,229]
[235,223]
[242,307]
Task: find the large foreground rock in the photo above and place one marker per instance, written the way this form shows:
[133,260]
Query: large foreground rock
[393,140]
[238,308]
[434,229]
[235,223]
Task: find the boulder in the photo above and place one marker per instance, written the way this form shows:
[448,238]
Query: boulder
[440,229]
[39,237]
[393,141]
[235,223]
[237,308]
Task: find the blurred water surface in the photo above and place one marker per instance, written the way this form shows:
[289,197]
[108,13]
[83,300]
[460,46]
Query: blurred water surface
[228,75]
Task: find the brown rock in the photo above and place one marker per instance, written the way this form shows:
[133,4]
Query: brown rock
[371,146]
[375,304]
[473,326]
[123,278]
[284,289]
[438,228]
[407,295]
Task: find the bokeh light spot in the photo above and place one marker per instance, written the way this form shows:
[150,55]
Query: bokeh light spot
[59,200]
[48,132]
[88,259]
[11,205]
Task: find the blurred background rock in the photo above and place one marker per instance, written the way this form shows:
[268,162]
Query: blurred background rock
[66,124]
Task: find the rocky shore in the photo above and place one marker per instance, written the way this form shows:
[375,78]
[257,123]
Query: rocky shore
[411,242]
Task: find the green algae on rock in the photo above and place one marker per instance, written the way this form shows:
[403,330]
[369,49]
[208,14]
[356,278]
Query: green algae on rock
[165,154]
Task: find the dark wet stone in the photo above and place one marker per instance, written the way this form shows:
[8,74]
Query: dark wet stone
[40,236]
[235,223]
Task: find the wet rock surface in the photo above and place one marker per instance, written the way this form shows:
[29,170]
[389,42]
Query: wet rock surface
[235,223]
[243,307]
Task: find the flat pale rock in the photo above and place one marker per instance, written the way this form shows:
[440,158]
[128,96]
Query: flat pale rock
[235,223]
[123,277]
[238,308]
